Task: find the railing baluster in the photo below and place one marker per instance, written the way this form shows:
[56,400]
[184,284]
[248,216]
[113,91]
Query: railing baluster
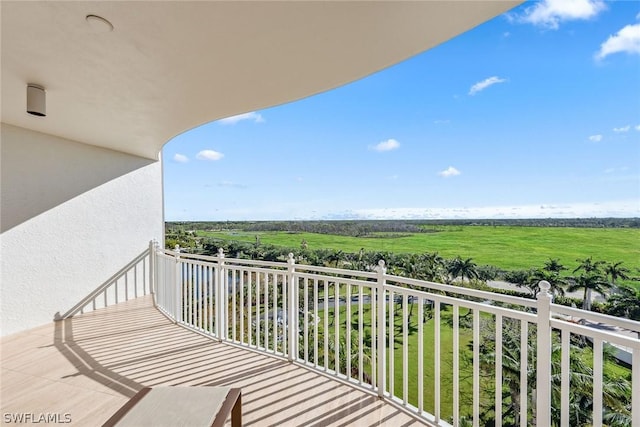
[293,287]
[234,314]
[361,333]
[306,319]
[316,322]
[210,292]
[524,369]
[326,325]
[498,361]
[420,355]
[405,351]
[258,300]
[189,299]
[222,291]
[249,308]
[380,321]
[336,326]
[182,288]
[374,339]
[476,367]
[135,279]
[635,385]
[242,306]
[597,382]
[392,344]
[201,315]
[274,311]
[266,311]
[286,326]
[436,361]
[126,287]
[564,381]
[348,331]
[456,365]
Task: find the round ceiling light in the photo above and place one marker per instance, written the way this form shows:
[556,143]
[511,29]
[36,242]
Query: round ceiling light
[99,24]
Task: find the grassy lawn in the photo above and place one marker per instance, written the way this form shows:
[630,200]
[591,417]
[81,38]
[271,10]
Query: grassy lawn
[446,364]
[504,247]
[611,369]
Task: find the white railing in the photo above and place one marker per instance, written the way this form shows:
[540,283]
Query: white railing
[131,281]
[450,355]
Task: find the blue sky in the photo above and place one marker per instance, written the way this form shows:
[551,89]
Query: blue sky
[535,113]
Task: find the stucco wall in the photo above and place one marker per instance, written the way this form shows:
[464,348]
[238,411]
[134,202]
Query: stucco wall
[71,216]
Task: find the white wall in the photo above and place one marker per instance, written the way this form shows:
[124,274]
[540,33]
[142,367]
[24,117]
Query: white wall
[71,216]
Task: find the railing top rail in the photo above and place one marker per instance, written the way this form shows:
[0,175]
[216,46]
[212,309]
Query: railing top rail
[421,285]
[213,258]
[594,317]
[493,296]
[340,271]
[482,306]
[609,336]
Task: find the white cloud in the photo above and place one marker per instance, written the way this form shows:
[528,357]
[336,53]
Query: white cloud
[180,158]
[595,138]
[209,155]
[450,171]
[626,40]
[637,128]
[252,116]
[485,84]
[622,129]
[550,13]
[388,145]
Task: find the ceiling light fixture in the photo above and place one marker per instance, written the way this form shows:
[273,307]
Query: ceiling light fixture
[36,100]
[99,24]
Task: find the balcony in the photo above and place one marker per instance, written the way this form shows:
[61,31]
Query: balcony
[314,346]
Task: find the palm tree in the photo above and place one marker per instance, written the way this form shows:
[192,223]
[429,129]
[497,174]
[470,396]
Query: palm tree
[336,257]
[616,390]
[433,266]
[557,283]
[522,279]
[625,303]
[589,283]
[616,271]
[589,267]
[553,266]
[463,268]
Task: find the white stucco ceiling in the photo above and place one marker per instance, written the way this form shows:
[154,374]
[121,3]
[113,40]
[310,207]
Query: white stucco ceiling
[169,66]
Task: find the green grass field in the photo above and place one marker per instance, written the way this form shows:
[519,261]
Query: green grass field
[611,369]
[504,247]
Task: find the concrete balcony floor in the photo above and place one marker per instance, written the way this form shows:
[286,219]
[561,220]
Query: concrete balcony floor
[90,365]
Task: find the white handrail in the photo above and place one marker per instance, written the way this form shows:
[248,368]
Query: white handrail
[358,327]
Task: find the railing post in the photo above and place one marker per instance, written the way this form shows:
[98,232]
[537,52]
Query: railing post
[178,286]
[221,297]
[292,320]
[152,270]
[381,270]
[543,366]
